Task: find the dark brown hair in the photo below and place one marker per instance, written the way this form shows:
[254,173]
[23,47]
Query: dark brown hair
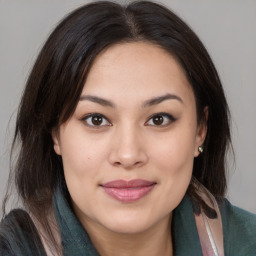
[59,74]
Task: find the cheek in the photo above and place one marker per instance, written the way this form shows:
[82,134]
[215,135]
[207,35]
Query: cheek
[174,157]
[81,152]
[174,151]
[175,165]
[81,163]
[81,167]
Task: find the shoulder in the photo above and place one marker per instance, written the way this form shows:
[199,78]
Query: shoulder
[18,235]
[239,228]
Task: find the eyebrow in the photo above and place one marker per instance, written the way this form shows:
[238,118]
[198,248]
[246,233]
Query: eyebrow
[159,99]
[147,103]
[98,100]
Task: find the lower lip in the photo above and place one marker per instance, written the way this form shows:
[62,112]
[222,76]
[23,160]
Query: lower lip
[128,194]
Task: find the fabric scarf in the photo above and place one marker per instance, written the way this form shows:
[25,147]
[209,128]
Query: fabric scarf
[210,231]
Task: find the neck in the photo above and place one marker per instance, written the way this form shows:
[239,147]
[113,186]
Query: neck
[155,241]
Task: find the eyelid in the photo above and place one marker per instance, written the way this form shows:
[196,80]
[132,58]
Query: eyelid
[164,114]
[87,116]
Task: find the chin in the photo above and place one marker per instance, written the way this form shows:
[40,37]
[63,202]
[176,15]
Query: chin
[128,228]
[129,223]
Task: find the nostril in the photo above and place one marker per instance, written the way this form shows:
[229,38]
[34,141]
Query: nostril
[117,164]
[127,165]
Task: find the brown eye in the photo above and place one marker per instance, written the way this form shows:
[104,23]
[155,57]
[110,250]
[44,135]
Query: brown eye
[96,120]
[158,120]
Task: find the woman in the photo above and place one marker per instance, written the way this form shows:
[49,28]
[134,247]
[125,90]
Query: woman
[123,129]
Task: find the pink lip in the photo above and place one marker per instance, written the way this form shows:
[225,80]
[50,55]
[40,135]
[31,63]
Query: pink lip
[128,191]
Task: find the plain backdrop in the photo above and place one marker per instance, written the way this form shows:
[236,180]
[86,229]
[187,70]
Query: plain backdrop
[226,27]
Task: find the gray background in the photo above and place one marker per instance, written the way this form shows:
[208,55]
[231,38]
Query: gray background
[228,30]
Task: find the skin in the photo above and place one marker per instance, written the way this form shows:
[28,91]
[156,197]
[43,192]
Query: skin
[129,144]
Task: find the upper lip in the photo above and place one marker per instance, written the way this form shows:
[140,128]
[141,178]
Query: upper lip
[128,183]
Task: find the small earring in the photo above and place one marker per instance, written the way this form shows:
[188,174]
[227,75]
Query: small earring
[201,149]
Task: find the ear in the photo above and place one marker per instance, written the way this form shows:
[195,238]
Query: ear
[56,141]
[201,132]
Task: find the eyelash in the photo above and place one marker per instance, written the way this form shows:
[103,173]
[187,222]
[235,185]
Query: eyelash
[87,117]
[165,115]
[170,118]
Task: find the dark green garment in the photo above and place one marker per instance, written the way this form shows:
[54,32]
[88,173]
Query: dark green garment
[239,229]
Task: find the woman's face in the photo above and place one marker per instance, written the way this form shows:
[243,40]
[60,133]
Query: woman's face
[129,147]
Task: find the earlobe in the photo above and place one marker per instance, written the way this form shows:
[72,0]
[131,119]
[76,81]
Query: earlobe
[201,134]
[56,142]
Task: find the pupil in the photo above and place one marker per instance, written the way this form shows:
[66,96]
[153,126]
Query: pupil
[158,120]
[97,120]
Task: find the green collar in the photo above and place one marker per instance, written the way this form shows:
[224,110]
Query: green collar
[75,240]
[185,236]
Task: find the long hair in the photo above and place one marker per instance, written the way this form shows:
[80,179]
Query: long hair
[58,76]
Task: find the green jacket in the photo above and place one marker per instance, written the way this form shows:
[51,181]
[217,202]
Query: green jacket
[239,229]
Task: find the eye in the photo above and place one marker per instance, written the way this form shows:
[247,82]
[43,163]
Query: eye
[160,119]
[96,120]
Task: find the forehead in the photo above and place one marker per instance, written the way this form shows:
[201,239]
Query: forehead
[137,70]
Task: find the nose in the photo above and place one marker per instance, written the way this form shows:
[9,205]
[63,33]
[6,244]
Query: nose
[128,149]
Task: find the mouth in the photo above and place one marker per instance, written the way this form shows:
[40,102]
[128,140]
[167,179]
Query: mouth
[128,191]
